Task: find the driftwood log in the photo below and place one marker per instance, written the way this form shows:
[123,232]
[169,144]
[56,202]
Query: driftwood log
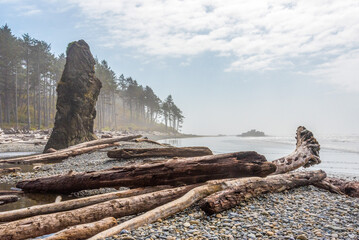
[231,197]
[84,231]
[305,155]
[71,151]
[74,204]
[350,188]
[199,193]
[173,172]
[8,199]
[50,223]
[10,192]
[159,152]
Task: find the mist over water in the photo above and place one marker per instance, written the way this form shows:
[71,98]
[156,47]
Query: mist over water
[339,155]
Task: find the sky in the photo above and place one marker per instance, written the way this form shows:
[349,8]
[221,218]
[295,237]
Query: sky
[230,65]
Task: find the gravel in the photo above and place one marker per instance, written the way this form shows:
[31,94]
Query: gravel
[302,213]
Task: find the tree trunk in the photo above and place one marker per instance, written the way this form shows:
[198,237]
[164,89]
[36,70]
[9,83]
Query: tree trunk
[28,91]
[231,197]
[50,223]
[16,115]
[84,231]
[72,204]
[171,172]
[159,152]
[71,151]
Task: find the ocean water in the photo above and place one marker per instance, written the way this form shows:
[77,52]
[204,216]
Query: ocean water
[339,154]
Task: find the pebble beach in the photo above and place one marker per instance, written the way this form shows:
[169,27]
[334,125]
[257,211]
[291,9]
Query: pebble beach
[302,213]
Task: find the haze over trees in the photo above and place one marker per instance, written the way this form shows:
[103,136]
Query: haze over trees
[29,73]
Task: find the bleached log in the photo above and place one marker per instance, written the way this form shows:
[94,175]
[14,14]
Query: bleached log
[175,172]
[50,223]
[159,152]
[74,203]
[305,155]
[231,197]
[71,151]
[84,231]
[175,206]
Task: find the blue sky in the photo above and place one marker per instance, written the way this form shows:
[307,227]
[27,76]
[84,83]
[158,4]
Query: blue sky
[230,65]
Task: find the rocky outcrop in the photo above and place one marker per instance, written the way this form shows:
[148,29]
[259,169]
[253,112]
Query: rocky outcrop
[77,93]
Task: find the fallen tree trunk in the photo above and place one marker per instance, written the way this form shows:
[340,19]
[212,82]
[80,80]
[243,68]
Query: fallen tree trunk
[8,199]
[74,204]
[350,188]
[50,223]
[305,155]
[71,151]
[159,152]
[195,195]
[231,197]
[173,172]
[84,231]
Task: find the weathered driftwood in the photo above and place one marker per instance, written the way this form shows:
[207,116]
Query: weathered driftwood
[211,187]
[306,153]
[231,197]
[10,192]
[50,223]
[71,151]
[148,141]
[74,204]
[84,231]
[350,188]
[173,172]
[4,171]
[159,152]
[8,199]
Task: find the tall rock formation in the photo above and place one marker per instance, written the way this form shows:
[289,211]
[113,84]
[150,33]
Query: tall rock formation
[77,93]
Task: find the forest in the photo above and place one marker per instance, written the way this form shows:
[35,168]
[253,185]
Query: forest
[29,73]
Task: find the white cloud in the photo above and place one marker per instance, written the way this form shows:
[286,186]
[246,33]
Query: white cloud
[260,35]
[342,71]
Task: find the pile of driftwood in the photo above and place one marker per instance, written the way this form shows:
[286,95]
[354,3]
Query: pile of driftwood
[161,189]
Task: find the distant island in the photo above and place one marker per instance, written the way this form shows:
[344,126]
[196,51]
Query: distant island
[252,133]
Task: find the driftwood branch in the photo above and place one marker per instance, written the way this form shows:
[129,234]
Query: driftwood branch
[173,172]
[159,152]
[84,231]
[231,197]
[71,151]
[8,199]
[340,186]
[74,204]
[192,197]
[50,223]
[306,153]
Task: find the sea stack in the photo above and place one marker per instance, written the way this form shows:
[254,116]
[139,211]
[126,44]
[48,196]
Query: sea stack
[77,93]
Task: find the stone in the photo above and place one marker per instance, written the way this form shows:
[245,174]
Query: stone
[186,224]
[77,93]
[302,237]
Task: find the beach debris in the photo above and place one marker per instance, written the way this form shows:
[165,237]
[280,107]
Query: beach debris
[77,93]
[4,199]
[4,171]
[71,151]
[126,153]
[175,171]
